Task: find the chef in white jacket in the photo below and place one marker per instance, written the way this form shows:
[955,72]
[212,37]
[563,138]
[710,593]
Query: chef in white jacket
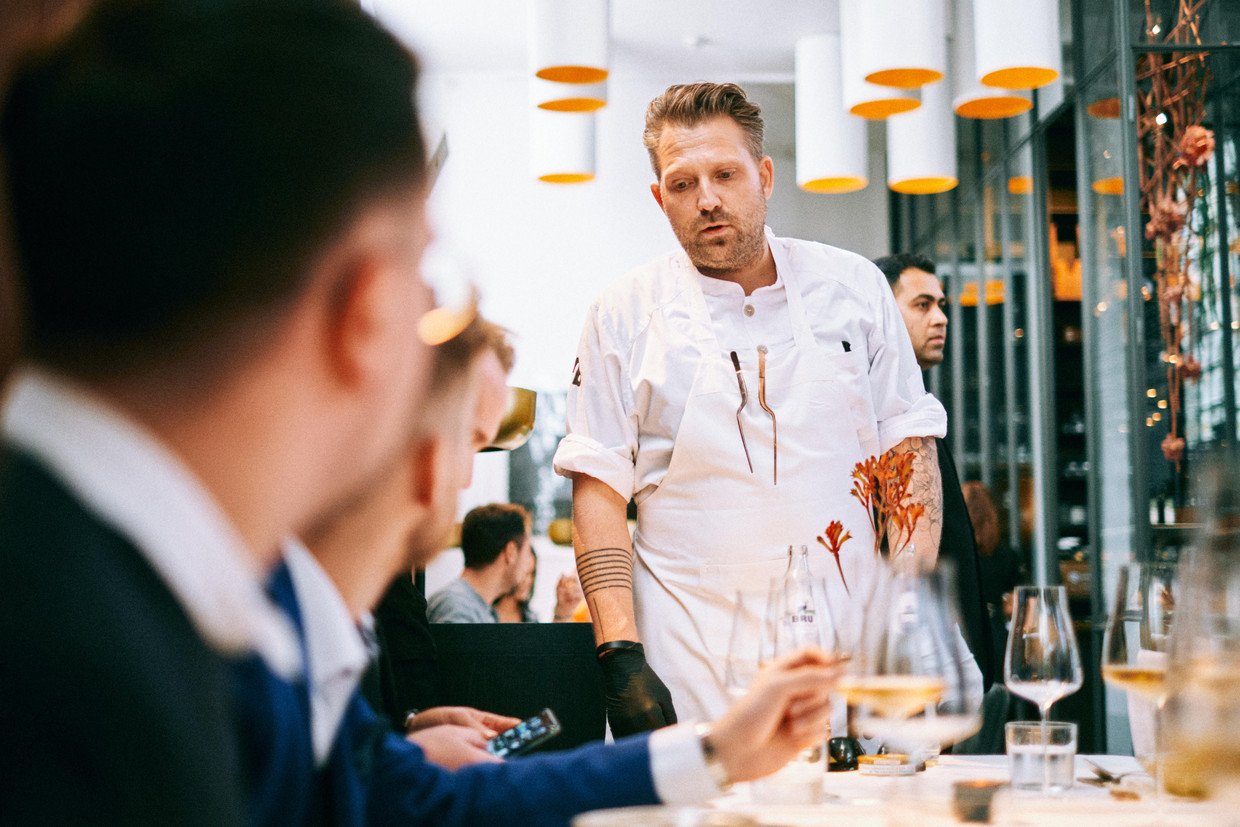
[729,388]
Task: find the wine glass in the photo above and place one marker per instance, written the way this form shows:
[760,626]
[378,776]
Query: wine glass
[1134,646]
[1202,711]
[913,679]
[750,644]
[1042,662]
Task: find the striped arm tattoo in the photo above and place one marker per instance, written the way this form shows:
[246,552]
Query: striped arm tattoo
[605,568]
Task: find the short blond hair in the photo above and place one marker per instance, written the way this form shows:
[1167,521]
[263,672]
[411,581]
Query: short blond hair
[689,104]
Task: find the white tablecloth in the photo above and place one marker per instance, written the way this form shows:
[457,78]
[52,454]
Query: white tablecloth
[925,800]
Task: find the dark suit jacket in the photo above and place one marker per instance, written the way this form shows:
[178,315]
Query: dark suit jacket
[405,676]
[112,709]
[959,546]
[375,777]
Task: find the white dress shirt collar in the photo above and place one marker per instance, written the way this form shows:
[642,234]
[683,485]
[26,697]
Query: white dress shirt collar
[130,481]
[337,653]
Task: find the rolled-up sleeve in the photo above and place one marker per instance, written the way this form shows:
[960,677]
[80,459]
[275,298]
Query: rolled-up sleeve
[601,436]
[902,406]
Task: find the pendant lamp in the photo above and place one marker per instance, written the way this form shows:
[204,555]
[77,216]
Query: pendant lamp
[1020,173]
[830,143]
[569,40]
[1016,44]
[974,99]
[921,145]
[562,146]
[1106,174]
[568,97]
[861,97]
[899,42]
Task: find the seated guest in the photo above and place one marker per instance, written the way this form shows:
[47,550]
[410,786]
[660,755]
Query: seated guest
[398,521]
[495,541]
[514,607]
[217,214]
[404,788]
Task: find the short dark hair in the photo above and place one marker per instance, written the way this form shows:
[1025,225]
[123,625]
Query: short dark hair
[488,529]
[175,168]
[689,104]
[893,266]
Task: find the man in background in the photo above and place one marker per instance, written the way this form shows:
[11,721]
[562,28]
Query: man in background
[495,541]
[919,295]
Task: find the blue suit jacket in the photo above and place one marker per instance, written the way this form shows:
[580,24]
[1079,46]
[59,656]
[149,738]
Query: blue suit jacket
[377,778]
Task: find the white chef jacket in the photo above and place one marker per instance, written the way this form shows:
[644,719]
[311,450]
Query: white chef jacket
[630,381]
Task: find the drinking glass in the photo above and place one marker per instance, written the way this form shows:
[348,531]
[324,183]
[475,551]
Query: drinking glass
[1134,646]
[750,644]
[1202,711]
[912,679]
[1042,662]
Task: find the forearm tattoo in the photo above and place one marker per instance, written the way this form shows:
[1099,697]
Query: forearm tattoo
[927,483]
[605,568]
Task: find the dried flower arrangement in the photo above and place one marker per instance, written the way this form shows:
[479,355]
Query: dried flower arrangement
[881,485]
[1174,149]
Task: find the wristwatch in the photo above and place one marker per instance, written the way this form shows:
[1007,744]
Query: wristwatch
[718,773]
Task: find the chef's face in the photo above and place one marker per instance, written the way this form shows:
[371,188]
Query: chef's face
[714,194]
[920,299]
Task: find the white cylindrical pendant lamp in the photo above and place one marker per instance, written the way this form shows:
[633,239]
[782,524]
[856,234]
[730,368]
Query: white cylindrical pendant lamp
[1017,43]
[830,143]
[868,100]
[568,97]
[562,146]
[569,40]
[921,145]
[899,43]
[974,99]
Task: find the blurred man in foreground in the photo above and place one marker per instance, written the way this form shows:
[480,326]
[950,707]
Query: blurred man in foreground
[218,217]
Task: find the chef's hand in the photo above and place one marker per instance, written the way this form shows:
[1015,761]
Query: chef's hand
[637,700]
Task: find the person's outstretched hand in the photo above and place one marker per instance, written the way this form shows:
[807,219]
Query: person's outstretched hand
[637,700]
[486,724]
[785,710]
[452,746]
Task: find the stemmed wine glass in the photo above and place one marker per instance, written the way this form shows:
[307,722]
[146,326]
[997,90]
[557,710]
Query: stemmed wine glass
[910,679]
[1134,647]
[1042,663]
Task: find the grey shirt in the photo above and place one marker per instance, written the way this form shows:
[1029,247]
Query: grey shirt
[457,602]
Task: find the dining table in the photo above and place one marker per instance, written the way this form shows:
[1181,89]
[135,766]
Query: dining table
[947,793]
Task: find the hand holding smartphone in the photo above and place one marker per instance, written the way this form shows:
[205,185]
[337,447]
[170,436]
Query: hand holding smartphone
[525,736]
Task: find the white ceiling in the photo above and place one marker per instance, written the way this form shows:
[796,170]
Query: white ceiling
[740,40]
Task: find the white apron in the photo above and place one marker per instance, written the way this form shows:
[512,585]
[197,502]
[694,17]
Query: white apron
[713,528]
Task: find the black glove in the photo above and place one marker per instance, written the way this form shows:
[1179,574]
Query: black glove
[637,700]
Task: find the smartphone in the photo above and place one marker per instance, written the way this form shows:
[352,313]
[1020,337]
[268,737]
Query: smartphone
[525,736]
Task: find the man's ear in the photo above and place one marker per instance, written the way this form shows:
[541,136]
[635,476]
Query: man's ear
[766,174]
[425,472]
[512,552]
[658,196]
[359,317]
